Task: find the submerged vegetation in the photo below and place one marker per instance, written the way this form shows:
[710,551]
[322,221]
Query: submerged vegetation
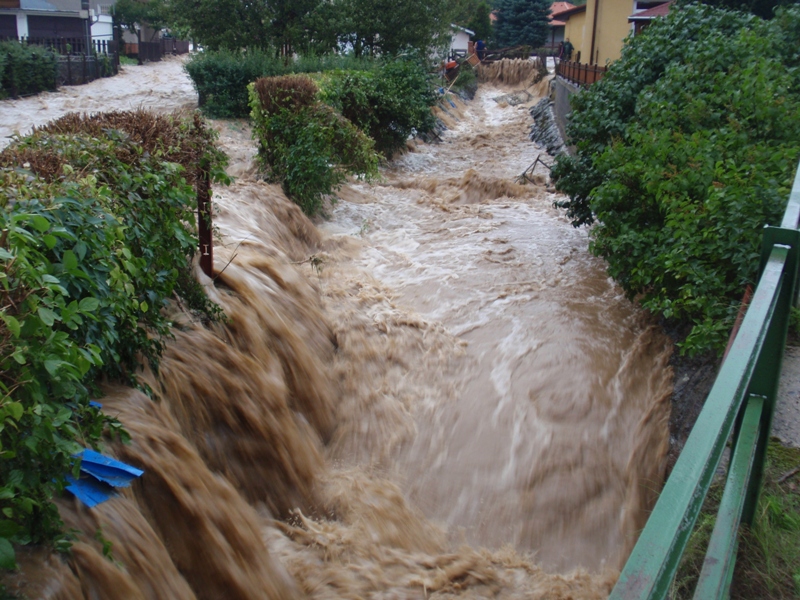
[98,234]
[685,150]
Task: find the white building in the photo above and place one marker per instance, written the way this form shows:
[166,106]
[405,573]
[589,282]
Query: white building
[459,44]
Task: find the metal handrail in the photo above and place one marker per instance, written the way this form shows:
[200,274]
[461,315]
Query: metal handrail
[740,404]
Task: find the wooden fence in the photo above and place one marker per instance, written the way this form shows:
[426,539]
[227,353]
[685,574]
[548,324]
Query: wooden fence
[583,75]
[149,51]
[154,51]
[173,46]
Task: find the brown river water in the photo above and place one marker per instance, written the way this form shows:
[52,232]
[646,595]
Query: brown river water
[436,392]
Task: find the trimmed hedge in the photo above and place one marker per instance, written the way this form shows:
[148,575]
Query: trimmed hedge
[26,70]
[221,78]
[305,145]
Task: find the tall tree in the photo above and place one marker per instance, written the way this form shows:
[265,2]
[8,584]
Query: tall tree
[223,24]
[289,24]
[481,23]
[461,11]
[761,8]
[521,22]
[365,27]
[374,27]
[135,15]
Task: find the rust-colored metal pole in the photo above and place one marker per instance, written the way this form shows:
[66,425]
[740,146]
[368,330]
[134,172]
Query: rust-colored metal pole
[204,222]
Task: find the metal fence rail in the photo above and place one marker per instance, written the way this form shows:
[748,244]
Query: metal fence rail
[739,406]
[75,46]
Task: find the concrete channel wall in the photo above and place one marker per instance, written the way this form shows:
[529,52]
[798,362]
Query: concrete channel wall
[561,91]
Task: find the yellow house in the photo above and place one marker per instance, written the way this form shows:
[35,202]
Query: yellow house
[598,28]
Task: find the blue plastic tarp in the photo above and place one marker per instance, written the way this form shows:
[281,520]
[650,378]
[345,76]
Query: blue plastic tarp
[90,491]
[100,474]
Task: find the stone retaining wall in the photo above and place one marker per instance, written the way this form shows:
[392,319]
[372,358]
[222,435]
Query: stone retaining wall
[550,117]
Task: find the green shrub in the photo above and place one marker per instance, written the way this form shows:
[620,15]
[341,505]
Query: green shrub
[289,92]
[47,350]
[685,150]
[389,103]
[307,147]
[601,113]
[221,78]
[98,232]
[27,69]
[466,82]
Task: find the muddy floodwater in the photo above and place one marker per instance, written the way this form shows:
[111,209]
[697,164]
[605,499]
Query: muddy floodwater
[433,392]
[551,434]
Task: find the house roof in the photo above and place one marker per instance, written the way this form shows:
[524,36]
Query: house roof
[651,13]
[554,23]
[559,7]
[565,14]
[464,29]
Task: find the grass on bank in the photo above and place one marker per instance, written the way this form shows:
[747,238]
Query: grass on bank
[768,559]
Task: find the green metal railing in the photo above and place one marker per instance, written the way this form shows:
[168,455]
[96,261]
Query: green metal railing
[740,405]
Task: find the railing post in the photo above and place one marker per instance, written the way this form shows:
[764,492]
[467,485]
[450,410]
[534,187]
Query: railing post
[766,377]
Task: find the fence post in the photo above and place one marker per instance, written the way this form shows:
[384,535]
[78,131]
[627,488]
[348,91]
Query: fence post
[204,223]
[204,214]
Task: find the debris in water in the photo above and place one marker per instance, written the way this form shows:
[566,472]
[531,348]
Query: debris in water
[100,474]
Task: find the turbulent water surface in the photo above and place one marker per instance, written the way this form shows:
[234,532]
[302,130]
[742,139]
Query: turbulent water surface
[435,392]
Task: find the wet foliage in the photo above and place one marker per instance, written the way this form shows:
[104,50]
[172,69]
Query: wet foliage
[26,70]
[97,233]
[684,151]
[389,103]
[289,92]
[221,78]
[307,147]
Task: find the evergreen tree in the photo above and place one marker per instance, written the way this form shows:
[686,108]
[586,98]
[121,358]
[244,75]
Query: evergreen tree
[521,22]
[480,22]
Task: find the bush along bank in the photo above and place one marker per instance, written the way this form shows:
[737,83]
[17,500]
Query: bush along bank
[389,103]
[315,131]
[97,233]
[305,145]
[685,150]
